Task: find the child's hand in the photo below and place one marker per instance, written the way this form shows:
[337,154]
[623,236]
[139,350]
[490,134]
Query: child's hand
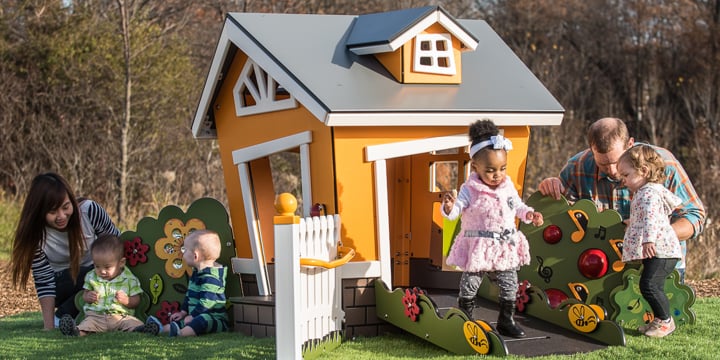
[188,319]
[90,296]
[122,298]
[536,218]
[449,200]
[178,315]
[648,250]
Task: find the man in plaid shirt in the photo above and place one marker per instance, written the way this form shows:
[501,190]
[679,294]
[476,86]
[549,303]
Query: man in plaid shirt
[592,174]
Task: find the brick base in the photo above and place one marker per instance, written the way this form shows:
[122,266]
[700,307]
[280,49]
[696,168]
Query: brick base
[255,315]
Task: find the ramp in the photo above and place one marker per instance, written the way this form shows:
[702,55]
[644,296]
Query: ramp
[432,315]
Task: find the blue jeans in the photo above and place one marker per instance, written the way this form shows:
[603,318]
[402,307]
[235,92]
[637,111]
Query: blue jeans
[65,290]
[652,285]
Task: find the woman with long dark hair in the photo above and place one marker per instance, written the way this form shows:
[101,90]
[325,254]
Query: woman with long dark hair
[52,240]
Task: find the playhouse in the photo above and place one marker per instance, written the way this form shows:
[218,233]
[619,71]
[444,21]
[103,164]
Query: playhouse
[376,107]
[373,112]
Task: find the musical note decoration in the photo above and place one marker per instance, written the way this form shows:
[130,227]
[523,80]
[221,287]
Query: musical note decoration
[617,245]
[545,272]
[580,219]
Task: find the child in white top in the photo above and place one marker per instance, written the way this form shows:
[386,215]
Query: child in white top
[649,237]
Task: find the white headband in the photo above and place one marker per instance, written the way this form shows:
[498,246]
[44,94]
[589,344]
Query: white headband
[498,142]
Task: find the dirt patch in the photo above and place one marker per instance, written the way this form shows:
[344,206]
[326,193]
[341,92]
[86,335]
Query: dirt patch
[15,301]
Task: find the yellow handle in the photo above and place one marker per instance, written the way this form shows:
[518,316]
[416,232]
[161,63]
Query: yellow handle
[349,254]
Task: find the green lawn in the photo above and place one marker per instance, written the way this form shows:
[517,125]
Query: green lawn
[22,337]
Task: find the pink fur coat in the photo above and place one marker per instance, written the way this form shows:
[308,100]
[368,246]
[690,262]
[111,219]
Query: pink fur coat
[488,239]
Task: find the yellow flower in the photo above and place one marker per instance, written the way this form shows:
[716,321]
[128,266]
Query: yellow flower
[171,247]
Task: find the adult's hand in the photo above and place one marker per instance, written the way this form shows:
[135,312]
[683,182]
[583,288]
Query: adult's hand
[552,186]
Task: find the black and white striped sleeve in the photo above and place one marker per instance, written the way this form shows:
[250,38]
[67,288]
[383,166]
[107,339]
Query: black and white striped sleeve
[43,275]
[100,220]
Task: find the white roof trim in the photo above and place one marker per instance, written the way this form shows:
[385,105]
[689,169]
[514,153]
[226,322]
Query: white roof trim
[441,119]
[231,34]
[422,25]
[214,76]
[457,31]
[412,147]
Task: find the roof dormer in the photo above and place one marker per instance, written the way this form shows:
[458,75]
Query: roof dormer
[420,45]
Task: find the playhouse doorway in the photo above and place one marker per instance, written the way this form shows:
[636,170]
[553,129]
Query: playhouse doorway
[418,183]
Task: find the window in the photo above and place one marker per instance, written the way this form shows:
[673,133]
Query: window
[256,92]
[286,174]
[434,54]
[443,176]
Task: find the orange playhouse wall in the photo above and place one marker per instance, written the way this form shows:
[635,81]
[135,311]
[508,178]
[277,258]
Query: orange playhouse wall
[240,132]
[355,181]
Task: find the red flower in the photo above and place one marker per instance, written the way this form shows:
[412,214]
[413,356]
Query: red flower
[412,310]
[135,251]
[166,309]
[522,296]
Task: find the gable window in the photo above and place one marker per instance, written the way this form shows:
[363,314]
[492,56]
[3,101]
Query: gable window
[256,92]
[434,54]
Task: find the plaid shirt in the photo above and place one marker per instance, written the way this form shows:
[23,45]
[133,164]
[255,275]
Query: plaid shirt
[583,180]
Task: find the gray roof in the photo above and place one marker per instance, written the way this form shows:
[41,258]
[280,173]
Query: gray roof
[308,55]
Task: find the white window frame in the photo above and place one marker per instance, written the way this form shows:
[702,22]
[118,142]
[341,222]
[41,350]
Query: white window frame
[241,158]
[263,92]
[434,54]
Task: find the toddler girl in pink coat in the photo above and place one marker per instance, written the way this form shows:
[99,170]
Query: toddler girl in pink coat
[488,241]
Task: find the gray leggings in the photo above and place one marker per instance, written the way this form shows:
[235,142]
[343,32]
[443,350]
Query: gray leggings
[507,281]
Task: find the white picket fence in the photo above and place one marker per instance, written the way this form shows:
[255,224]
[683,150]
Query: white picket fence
[307,293]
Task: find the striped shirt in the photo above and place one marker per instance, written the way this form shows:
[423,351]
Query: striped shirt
[206,293]
[583,180]
[53,255]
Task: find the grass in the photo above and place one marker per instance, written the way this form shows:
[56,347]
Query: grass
[22,337]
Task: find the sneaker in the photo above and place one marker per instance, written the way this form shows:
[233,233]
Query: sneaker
[151,326]
[67,326]
[643,328]
[174,329]
[660,328]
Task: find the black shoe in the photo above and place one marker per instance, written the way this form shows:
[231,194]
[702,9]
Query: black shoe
[467,305]
[506,324]
[67,326]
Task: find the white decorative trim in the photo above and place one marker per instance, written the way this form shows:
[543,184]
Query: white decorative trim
[262,88]
[360,269]
[434,55]
[241,157]
[436,17]
[256,244]
[457,31]
[382,219]
[442,119]
[412,147]
[271,147]
[233,35]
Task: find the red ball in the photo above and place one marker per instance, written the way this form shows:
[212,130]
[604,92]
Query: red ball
[555,297]
[552,234]
[593,263]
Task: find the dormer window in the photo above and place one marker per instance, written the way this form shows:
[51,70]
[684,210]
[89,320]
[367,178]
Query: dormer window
[434,54]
